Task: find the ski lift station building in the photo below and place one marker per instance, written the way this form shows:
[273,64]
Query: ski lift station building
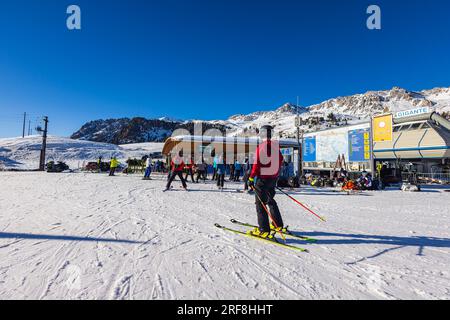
[236,147]
[422,140]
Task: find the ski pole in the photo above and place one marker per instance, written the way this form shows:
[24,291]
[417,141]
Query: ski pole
[302,205]
[268,213]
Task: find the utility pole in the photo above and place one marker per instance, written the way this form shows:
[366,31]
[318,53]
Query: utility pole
[44,145]
[300,143]
[24,120]
[29,127]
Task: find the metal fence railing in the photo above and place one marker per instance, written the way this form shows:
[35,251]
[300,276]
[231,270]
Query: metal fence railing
[424,178]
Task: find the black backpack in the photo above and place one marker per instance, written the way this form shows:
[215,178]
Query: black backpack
[293,182]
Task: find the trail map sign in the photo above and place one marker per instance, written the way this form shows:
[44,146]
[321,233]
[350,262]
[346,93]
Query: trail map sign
[309,149]
[359,145]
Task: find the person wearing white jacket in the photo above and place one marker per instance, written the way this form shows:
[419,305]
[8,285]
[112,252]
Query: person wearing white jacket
[148,168]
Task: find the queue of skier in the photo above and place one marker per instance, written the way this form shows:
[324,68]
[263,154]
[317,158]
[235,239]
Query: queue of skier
[259,176]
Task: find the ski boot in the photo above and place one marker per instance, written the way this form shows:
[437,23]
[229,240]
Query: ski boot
[263,235]
[280,229]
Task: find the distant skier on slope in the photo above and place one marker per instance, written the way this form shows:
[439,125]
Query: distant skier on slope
[99,164]
[237,170]
[113,166]
[201,171]
[221,171]
[189,169]
[214,177]
[148,168]
[177,167]
[247,167]
[266,169]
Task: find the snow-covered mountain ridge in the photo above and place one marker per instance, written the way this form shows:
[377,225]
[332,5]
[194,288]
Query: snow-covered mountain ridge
[330,113]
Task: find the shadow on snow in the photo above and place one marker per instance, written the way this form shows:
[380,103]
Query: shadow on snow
[28,236]
[420,242]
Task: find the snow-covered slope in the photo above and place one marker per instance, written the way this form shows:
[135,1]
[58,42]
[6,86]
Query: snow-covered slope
[23,153]
[88,236]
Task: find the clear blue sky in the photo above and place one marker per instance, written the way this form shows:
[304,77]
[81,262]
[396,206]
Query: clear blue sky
[208,59]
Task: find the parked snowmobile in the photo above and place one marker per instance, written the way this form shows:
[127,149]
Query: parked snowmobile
[59,167]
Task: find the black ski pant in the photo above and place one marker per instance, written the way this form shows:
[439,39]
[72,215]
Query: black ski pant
[112,171]
[237,175]
[265,193]
[189,172]
[201,175]
[172,177]
[220,180]
[246,176]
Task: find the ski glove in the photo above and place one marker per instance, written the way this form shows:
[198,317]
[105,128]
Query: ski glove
[251,183]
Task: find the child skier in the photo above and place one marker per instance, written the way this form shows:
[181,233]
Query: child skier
[266,169]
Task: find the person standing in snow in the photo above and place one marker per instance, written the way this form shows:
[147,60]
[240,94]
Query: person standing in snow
[266,169]
[177,167]
[189,169]
[113,166]
[237,170]
[247,170]
[214,177]
[232,171]
[99,164]
[221,171]
[201,171]
[148,168]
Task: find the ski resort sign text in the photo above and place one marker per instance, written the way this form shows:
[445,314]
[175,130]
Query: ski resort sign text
[413,112]
[73,21]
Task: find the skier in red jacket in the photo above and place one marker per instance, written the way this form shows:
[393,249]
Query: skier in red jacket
[266,170]
[177,167]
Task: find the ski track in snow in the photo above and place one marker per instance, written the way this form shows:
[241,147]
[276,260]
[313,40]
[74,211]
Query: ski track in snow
[89,236]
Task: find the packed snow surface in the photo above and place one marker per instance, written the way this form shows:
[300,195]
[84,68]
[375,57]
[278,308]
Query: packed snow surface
[90,236]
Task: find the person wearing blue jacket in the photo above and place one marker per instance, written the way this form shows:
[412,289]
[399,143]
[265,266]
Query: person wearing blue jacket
[237,170]
[220,172]
[215,168]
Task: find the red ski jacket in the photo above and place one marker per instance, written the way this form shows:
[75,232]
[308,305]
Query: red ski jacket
[268,161]
[177,167]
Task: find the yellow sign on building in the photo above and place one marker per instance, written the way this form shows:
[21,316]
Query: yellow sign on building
[382,128]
